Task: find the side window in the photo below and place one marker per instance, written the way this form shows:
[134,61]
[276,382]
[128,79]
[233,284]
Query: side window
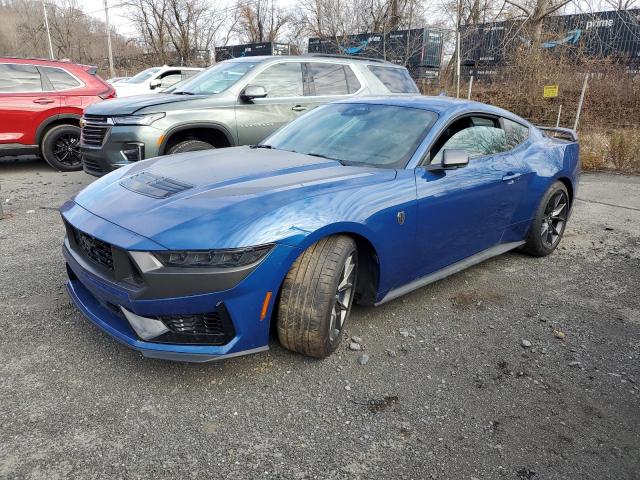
[19,78]
[397,80]
[60,79]
[169,78]
[331,79]
[189,73]
[515,132]
[479,136]
[281,80]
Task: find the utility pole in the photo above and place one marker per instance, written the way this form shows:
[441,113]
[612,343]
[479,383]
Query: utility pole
[459,22]
[46,24]
[106,17]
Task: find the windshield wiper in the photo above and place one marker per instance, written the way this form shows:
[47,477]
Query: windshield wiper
[261,145]
[183,93]
[320,155]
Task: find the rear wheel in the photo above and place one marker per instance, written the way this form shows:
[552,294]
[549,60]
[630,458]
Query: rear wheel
[60,148]
[316,297]
[190,146]
[548,226]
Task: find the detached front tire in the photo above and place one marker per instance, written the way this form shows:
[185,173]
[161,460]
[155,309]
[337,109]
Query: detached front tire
[60,148]
[190,146]
[316,297]
[549,223]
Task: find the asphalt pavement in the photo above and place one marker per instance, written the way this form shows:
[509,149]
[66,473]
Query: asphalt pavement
[518,368]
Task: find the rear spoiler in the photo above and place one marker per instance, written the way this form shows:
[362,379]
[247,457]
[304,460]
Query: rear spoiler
[565,133]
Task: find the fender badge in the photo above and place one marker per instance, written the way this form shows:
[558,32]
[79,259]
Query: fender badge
[401,217]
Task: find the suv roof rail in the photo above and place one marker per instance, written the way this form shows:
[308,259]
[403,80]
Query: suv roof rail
[64,61]
[348,57]
[10,57]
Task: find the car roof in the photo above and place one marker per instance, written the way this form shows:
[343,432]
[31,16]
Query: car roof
[440,104]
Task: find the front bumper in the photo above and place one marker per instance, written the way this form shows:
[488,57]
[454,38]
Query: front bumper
[101,299]
[140,141]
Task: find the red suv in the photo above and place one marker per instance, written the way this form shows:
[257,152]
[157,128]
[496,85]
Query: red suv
[41,102]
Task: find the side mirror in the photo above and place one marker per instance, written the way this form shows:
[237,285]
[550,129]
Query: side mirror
[155,83]
[253,91]
[455,158]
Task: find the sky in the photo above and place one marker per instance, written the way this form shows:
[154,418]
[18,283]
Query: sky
[124,26]
[117,14]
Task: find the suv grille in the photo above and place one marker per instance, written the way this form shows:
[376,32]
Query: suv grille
[95,250]
[94,131]
[92,167]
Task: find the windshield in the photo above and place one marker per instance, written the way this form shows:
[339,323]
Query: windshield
[374,135]
[143,75]
[215,79]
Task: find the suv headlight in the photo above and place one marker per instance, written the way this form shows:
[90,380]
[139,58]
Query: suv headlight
[147,119]
[235,257]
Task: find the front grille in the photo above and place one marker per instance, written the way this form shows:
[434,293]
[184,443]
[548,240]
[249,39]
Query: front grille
[204,324]
[94,131]
[211,328]
[91,166]
[95,250]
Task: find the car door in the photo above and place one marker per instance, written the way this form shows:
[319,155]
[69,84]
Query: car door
[464,211]
[26,100]
[285,100]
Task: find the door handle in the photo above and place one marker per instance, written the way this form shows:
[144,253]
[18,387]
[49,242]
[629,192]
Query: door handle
[511,177]
[43,101]
[298,108]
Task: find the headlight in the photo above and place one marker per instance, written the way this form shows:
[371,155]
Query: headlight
[236,257]
[147,119]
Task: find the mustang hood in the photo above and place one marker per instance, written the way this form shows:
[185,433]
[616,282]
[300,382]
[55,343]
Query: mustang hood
[129,105]
[227,198]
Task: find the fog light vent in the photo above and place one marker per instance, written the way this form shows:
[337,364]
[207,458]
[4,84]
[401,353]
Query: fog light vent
[133,152]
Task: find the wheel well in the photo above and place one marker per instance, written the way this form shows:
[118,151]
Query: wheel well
[567,183]
[368,275]
[212,136]
[56,123]
[368,270]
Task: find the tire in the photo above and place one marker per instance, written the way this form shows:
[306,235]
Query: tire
[317,295]
[60,148]
[190,146]
[550,221]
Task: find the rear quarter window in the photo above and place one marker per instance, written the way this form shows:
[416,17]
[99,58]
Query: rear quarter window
[60,79]
[516,133]
[397,80]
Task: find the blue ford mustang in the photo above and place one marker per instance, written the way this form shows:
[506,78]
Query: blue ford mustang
[196,256]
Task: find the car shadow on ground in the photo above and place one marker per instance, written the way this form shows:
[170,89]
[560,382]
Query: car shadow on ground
[134,363]
[25,164]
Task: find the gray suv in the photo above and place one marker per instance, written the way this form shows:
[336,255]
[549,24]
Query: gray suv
[235,102]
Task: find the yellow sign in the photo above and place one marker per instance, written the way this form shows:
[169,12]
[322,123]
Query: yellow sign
[550,91]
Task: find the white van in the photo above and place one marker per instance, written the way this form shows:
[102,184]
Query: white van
[153,80]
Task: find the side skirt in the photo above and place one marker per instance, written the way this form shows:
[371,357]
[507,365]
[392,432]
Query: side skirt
[450,270]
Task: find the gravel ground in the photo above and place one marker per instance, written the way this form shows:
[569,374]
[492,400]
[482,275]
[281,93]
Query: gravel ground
[465,379]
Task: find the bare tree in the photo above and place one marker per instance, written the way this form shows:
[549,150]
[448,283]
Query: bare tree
[75,35]
[260,21]
[176,30]
[536,11]
[621,4]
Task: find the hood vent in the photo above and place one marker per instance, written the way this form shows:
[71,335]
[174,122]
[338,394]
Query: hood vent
[146,183]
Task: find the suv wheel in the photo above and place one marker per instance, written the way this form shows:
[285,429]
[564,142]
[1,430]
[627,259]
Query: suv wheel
[60,148]
[190,146]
